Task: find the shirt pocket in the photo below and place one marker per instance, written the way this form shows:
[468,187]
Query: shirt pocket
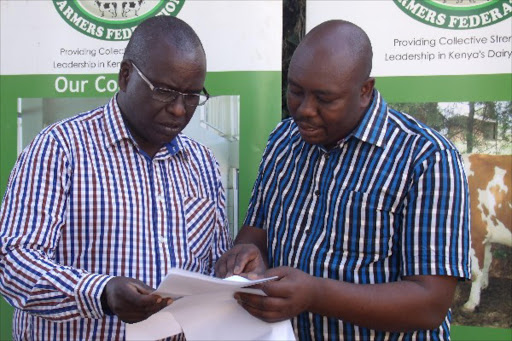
[200,220]
[368,224]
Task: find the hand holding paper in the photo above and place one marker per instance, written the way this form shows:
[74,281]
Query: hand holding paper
[205,309]
[288,297]
[179,283]
[242,258]
[131,300]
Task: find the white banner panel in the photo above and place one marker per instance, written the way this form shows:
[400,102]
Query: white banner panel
[404,45]
[36,39]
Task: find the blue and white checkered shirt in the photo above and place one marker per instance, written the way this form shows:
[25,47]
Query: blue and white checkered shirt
[390,200]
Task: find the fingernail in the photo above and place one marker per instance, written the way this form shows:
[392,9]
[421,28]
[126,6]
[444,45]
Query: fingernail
[159,300]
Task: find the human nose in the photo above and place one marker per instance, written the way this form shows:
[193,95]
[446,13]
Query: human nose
[177,106]
[307,106]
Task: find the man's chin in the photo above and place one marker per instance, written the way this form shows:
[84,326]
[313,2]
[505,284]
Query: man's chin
[312,139]
[167,137]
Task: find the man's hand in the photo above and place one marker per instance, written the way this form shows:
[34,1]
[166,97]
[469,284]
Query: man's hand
[131,300]
[242,258]
[287,297]
[413,303]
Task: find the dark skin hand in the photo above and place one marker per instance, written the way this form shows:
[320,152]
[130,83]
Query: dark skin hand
[132,300]
[414,303]
[242,259]
[287,297]
[246,256]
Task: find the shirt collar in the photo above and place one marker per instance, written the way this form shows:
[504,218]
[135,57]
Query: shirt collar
[175,145]
[372,128]
[116,130]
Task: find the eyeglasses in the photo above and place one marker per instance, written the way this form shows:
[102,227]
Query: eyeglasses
[169,95]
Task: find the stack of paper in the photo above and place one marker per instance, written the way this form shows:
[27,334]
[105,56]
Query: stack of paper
[204,309]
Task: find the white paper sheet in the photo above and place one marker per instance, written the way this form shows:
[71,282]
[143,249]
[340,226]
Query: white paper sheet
[179,283]
[157,326]
[205,309]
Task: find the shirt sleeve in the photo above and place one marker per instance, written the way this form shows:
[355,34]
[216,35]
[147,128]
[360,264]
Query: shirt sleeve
[436,231]
[31,216]
[255,216]
[256,212]
[221,238]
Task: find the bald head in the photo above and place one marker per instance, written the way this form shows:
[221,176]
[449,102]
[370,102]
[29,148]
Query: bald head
[329,88]
[341,45]
[160,30]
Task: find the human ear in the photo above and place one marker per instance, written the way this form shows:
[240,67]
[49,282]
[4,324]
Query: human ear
[367,92]
[124,74]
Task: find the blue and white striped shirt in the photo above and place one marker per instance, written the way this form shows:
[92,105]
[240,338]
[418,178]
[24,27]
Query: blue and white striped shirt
[390,200]
[84,203]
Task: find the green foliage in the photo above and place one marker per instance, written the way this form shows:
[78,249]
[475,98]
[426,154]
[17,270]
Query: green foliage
[475,127]
[427,113]
[500,254]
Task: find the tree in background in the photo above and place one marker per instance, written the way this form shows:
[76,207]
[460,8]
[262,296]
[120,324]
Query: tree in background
[504,115]
[474,127]
[294,27]
[427,113]
[486,126]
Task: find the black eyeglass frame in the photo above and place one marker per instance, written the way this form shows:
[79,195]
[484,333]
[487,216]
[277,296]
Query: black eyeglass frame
[171,93]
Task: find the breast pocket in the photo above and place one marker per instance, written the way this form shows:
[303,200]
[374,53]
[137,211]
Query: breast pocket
[368,224]
[200,219]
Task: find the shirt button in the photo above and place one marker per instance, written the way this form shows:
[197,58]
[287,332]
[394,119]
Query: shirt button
[326,155]
[308,231]
[162,239]
[317,192]
[160,198]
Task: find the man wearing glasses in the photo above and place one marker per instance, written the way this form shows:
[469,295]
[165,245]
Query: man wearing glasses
[100,206]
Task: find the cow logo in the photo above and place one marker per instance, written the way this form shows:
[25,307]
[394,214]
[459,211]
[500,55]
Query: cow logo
[457,14]
[113,20]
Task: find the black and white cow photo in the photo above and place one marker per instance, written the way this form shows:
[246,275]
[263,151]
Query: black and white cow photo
[119,8]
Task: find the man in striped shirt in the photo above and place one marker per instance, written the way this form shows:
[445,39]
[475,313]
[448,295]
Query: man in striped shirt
[99,207]
[360,210]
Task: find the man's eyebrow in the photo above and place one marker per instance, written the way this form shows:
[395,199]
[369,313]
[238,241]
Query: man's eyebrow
[168,88]
[290,82]
[324,92]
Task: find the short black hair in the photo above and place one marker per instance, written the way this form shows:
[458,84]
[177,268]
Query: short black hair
[158,30]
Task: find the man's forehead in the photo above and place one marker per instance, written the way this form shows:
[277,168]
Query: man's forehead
[168,54]
[320,61]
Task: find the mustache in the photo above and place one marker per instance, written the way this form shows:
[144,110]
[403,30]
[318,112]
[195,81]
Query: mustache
[173,123]
[304,121]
